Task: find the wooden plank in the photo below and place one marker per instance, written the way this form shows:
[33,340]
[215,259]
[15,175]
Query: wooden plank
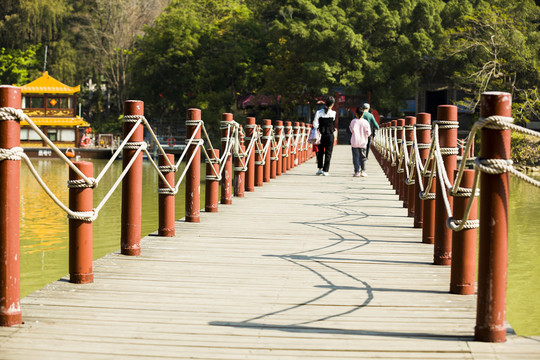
[304,267]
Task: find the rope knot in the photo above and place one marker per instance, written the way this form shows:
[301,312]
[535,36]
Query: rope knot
[89,216]
[14,153]
[82,184]
[9,113]
[494,166]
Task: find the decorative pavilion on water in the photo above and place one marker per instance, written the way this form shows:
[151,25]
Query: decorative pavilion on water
[52,107]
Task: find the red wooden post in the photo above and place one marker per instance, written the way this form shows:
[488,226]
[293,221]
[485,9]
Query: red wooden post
[463,242]
[259,167]
[193,175]
[423,137]
[493,249]
[250,173]
[399,177]
[80,231]
[301,143]
[392,166]
[287,153]
[409,195]
[279,132]
[227,174]
[211,198]
[239,175]
[130,243]
[10,292]
[388,162]
[310,146]
[166,201]
[267,141]
[442,252]
[295,155]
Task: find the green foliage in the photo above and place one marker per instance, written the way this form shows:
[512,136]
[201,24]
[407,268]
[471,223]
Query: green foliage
[525,149]
[16,66]
[493,46]
[197,54]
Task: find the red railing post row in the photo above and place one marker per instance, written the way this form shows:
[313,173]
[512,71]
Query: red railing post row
[10,292]
[166,198]
[447,116]
[267,142]
[193,174]
[398,176]
[239,173]
[287,145]
[227,174]
[423,137]
[493,247]
[278,135]
[259,159]
[211,198]
[409,195]
[250,173]
[462,272]
[130,243]
[80,231]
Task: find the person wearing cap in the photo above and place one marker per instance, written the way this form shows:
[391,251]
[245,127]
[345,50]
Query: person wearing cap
[372,123]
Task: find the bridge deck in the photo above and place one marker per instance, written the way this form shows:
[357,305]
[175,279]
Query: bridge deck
[304,267]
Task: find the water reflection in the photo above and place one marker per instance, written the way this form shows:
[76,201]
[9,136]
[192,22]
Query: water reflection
[523,294]
[44,226]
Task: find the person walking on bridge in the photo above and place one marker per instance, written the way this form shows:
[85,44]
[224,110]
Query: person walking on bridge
[360,132]
[372,123]
[325,121]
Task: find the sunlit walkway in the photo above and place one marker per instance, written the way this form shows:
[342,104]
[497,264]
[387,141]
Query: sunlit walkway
[306,267]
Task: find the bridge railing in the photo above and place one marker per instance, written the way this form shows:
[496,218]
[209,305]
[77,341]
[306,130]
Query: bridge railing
[432,175]
[272,147]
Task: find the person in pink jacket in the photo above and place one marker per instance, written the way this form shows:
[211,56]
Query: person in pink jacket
[360,132]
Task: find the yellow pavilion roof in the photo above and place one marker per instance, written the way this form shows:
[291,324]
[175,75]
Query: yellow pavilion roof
[50,121]
[48,84]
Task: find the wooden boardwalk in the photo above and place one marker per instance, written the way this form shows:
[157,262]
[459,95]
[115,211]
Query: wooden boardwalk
[306,267]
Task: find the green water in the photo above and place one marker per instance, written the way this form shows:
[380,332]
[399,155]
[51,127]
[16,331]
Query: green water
[44,226]
[523,287]
[44,234]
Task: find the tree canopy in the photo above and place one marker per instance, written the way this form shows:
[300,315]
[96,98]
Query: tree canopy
[176,54]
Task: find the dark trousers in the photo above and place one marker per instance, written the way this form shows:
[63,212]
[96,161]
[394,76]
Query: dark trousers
[325,151]
[367,146]
[359,159]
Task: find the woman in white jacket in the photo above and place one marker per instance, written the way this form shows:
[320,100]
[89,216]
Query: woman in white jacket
[360,132]
[325,121]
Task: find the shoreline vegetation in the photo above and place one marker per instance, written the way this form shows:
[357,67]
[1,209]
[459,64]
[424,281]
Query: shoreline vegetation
[526,154]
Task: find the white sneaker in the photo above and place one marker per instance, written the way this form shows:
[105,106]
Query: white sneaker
[363,173]
[325,173]
[319,172]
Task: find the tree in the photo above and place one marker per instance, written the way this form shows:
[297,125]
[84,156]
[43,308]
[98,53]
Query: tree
[496,47]
[197,54]
[15,65]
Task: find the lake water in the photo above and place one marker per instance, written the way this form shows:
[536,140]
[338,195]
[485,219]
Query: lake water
[44,233]
[44,226]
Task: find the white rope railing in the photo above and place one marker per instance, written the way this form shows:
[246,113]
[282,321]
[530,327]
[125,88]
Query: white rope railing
[388,145]
[232,147]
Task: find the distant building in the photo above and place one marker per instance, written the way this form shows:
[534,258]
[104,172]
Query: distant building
[52,107]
